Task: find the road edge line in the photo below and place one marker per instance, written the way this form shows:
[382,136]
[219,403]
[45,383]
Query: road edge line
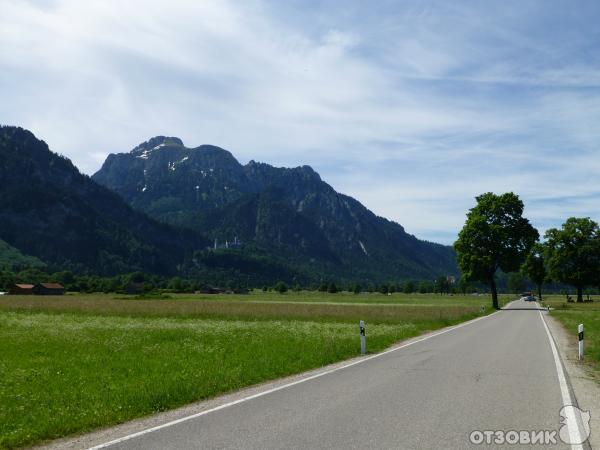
[567,399]
[284,386]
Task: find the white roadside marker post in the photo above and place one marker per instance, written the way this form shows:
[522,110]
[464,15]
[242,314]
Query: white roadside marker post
[580,333]
[363,338]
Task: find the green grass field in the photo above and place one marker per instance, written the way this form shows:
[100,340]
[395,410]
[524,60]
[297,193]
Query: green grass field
[571,315]
[74,363]
[348,297]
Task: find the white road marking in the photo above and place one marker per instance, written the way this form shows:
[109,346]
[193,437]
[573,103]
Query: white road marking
[285,386]
[573,423]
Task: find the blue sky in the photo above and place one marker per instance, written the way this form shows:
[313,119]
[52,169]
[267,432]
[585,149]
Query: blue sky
[412,107]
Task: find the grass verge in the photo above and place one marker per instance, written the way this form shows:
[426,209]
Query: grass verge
[571,315]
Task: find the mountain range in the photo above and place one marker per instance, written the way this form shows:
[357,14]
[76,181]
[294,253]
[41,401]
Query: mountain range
[51,211]
[167,209]
[288,214]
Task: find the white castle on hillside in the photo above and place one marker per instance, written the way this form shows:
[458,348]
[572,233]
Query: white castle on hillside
[236,243]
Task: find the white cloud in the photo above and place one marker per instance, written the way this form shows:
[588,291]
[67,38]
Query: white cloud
[414,108]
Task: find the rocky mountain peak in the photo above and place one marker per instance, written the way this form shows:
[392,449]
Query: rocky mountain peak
[289,213]
[71,222]
[156,143]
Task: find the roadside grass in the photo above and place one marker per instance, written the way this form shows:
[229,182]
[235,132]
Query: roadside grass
[571,315]
[75,363]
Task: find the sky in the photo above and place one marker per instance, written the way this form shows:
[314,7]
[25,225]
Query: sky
[412,107]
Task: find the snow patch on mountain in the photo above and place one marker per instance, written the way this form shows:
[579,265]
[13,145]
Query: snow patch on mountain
[363,248]
[144,154]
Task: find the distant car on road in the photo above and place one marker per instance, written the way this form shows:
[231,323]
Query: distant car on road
[528,297]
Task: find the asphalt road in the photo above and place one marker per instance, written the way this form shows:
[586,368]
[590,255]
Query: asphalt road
[497,373]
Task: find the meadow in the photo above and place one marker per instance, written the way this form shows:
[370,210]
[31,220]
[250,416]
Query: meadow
[571,315]
[74,363]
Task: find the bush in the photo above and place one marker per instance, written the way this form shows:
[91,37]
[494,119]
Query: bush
[281,287]
[332,288]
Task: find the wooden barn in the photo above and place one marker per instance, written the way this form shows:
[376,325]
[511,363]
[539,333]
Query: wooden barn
[49,289]
[21,289]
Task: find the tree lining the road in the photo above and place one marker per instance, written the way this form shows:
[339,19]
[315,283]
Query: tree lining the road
[573,253]
[495,237]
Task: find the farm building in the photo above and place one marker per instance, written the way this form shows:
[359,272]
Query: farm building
[49,289]
[21,289]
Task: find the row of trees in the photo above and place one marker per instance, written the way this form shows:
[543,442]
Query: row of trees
[496,237]
[93,283]
[438,286]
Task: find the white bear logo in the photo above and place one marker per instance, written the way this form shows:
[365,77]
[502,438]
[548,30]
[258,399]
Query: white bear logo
[575,427]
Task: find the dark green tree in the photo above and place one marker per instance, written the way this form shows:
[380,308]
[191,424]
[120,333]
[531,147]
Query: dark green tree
[32,276]
[463,285]
[66,278]
[7,279]
[442,286]
[113,285]
[573,253]
[534,268]
[137,277]
[175,284]
[281,287]
[332,288]
[495,236]
[409,287]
